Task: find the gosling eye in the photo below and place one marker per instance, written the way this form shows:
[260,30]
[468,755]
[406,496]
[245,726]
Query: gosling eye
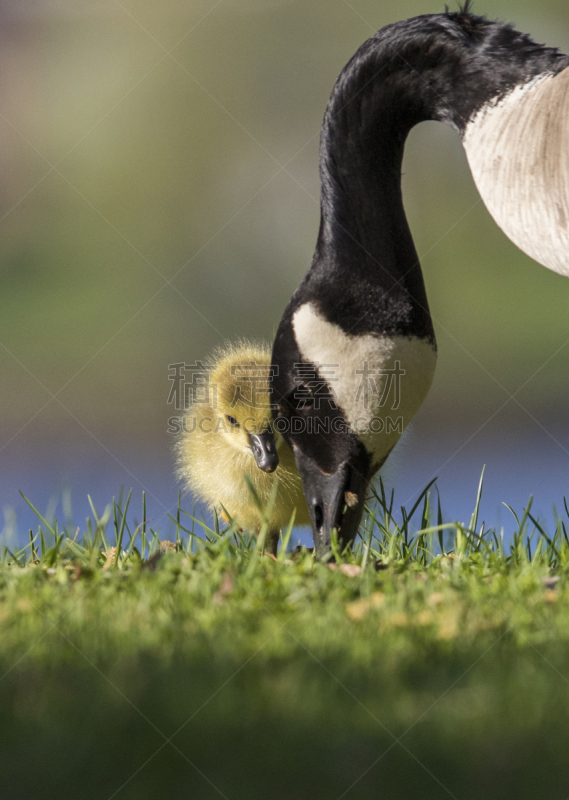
[232,420]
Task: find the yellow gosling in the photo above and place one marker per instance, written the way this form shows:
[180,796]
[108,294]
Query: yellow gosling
[228,436]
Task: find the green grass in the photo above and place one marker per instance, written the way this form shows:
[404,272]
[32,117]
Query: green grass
[431,661]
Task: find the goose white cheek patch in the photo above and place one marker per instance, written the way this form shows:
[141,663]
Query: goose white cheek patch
[379,382]
[518,152]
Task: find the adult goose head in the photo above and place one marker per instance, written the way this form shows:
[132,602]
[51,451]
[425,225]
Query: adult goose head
[355,351]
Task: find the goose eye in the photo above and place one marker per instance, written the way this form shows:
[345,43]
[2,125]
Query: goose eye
[231,420]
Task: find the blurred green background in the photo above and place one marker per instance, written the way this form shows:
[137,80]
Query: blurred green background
[159,193]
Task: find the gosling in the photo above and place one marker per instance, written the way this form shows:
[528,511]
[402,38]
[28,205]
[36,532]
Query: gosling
[227,436]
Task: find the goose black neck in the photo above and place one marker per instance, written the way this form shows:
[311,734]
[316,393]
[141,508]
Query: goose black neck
[365,273]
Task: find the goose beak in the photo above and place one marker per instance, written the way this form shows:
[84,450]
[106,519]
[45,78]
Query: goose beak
[334,501]
[264,450]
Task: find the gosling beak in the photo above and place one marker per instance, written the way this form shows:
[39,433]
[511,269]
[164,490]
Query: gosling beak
[264,450]
[334,501]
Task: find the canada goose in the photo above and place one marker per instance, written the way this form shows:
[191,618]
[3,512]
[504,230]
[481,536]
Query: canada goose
[228,436]
[362,308]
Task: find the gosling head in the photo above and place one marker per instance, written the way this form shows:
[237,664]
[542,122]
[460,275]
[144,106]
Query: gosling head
[240,407]
[226,447]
